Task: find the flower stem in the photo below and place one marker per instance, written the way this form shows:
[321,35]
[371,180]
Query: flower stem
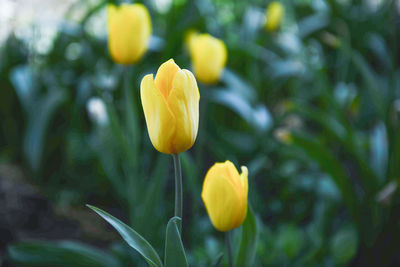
[129,145]
[229,248]
[178,189]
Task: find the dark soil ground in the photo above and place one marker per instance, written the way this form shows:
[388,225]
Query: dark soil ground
[26,214]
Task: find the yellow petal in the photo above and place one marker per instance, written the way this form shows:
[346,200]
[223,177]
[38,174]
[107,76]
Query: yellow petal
[160,121]
[165,75]
[244,180]
[183,101]
[245,189]
[275,12]
[224,194]
[209,57]
[111,12]
[226,169]
[171,108]
[222,202]
[218,169]
[129,28]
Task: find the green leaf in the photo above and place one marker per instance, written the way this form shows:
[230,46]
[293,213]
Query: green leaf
[312,24]
[339,131]
[174,251]
[371,83]
[40,117]
[379,150]
[344,245]
[119,134]
[151,198]
[290,240]
[24,83]
[395,155]
[239,86]
[40,110]
[131,237]
[329,164]
[258,116]
[104,140]
[59,254]
[248,244]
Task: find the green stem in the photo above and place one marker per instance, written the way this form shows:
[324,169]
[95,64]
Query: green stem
[178,189]
[130,144]
[229,248]
[131,117]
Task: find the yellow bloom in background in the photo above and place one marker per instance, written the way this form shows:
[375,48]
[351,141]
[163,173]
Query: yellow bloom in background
[171,108]
[129,29]
[225,195]
[274,14]
[209,56]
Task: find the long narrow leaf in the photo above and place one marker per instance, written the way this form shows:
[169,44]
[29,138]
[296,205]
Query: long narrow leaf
[59,254]
[174,251]
[152,196]
[332,166]
[339,132]
[218,261]
[248,244]
[39,119]
[371,83]
[131,237]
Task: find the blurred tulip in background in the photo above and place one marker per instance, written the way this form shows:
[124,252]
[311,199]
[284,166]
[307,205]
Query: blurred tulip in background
[208,55]
[129,29]
[274,15]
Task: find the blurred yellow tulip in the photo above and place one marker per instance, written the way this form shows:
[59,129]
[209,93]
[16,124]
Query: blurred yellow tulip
[274,14]
[209,56]
[171,108]
[129,29]
[225,195]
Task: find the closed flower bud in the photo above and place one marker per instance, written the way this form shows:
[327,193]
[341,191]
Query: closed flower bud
[208,56]
[225,195]
[129,29]
[274,14]
[171,108]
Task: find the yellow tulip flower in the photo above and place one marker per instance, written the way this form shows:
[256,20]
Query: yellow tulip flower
[225,195]
[209,56]
[274,14]
[171,108]
[129,29]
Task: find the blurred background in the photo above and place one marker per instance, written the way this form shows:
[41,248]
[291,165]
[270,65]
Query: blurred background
[311,108]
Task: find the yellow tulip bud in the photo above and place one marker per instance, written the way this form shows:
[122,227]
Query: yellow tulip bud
[171,108]
[208,56]
[225,195]
[274,14]
[129,29]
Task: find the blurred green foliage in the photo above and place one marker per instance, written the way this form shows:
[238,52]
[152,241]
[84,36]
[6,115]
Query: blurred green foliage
[312,110]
